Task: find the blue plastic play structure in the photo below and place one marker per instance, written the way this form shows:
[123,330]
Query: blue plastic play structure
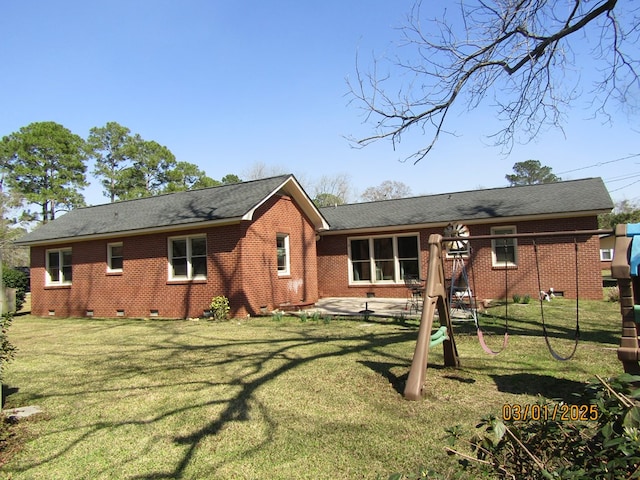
[625,268]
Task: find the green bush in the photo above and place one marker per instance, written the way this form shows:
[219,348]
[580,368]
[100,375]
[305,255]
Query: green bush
[219,308]
[612,294]
[516,298]
[7,349]
[596,437]
[526,299]
[18,280]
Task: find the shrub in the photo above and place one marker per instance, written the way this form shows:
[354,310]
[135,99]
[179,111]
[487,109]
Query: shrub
[7,349]
[612,294]
[516,298]
[18,280]
[598,437]
[220,308]
[526,299]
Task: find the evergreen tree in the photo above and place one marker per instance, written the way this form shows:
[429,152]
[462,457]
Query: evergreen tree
[47,165]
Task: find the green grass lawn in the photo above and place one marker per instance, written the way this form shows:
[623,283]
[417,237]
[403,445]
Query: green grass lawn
[269,399]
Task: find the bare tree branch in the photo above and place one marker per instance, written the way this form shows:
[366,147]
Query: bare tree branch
[521,52]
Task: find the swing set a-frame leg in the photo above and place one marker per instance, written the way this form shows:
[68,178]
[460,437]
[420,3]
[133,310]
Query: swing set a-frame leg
[434,299]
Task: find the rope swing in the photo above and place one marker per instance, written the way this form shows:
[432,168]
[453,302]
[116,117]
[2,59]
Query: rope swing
[553,353]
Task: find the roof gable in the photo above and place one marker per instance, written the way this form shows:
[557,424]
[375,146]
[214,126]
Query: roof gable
[195,208]
[551,199]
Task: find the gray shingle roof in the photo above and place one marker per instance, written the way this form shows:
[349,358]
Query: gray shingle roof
[587,195]
[183,208]
[232,202]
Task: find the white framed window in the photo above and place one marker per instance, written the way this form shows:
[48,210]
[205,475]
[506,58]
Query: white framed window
[283,254]
[58,267]
[504,252]
[188,258]
[606,254]
[114,257]
[383,259]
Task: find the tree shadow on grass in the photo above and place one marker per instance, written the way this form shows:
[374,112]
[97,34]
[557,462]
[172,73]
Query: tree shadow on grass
[552,388]
[263,360]
[236,409]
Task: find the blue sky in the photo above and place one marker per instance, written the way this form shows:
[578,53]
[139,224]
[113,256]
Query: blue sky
[228,84]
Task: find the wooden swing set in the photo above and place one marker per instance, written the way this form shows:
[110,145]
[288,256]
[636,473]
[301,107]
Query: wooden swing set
[625,267]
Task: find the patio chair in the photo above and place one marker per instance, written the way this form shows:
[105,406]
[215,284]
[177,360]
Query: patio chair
[414,293]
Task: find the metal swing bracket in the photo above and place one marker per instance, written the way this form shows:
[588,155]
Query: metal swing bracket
[625,267]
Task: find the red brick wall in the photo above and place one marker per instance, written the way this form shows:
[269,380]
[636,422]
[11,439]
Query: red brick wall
[556,259]
[262,287]
[143,285]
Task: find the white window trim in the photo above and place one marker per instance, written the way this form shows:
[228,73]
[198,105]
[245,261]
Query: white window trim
[610,251]
[189,277]
[287,270]
[494,260]
[109,246]
[396,260]
[61,282]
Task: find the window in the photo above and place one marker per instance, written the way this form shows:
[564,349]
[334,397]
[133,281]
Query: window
[59,267]
[360,260]
[408,257]
[383,259]
[188,258]
[606,254]
[504,251]
[114,257]
[282,248]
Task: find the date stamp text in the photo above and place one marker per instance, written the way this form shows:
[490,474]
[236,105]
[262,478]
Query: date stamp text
[561,412]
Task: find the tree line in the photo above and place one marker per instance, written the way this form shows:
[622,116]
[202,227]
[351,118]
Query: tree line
[45,164]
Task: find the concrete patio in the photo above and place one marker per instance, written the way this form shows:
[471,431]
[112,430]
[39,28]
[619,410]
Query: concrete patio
[354,306]
[378,307]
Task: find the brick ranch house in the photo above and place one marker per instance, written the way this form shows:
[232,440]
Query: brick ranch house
[264,245]
[371,246]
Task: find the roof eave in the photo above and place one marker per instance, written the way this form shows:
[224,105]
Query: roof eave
[130,233]
[292,188]
[478,221]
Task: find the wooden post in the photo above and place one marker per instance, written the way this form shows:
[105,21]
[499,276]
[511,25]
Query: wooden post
[435,296]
